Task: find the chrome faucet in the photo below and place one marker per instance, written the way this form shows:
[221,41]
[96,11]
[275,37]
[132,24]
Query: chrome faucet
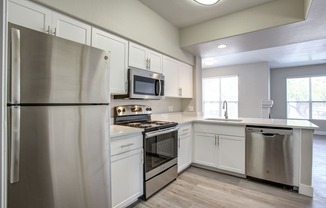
[225,106]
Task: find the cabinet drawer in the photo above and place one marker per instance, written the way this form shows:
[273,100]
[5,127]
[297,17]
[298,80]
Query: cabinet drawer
[126,143]
[185,130]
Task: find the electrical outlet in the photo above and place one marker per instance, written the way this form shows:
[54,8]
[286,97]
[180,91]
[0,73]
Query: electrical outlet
[170,108]
[190,108]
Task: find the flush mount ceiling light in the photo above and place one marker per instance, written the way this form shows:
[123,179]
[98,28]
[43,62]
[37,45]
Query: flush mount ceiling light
[207,2]
[221,46]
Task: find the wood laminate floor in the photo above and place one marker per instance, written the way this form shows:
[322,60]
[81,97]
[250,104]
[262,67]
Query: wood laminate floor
[199,188]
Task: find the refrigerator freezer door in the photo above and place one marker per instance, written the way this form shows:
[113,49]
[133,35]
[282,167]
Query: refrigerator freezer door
[49,69]
[64,158]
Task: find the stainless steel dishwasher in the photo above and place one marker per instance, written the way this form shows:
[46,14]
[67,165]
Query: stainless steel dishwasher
[269,154]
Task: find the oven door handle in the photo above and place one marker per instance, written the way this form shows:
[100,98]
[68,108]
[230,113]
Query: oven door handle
[160,132]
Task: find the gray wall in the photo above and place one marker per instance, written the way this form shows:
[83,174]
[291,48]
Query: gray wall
[278,89]
[253,85]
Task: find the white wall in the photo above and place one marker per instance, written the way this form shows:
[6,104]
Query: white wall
[127,18]
[278,88]
[158,106]
[253,85]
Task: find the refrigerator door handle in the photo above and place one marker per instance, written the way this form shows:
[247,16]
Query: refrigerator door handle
[15,144]
[15,64]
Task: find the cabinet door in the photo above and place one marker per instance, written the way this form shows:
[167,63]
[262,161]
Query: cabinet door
[71,29]
[205,149]
[184,152]
[30,15]
[231,153]
[170,71]
[137,56]
[126,177]
[185,80]
[119,58]
[155,61]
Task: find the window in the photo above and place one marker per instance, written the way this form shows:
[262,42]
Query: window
[306,98]
[215,91]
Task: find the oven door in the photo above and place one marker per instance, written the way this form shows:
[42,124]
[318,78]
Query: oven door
[161,151]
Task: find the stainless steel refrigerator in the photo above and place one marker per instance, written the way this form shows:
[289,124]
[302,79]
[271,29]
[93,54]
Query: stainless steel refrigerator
[58,122]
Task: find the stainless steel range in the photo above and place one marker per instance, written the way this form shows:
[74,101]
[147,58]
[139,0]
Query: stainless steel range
[160,145]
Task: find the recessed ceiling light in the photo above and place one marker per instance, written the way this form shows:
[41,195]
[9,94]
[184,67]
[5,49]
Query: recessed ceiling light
[221,46]
[207,2]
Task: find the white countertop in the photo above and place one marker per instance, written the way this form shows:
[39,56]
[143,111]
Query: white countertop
[183,118]
[186,118]
[116,130]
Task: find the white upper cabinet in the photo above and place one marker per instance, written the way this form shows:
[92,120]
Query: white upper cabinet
[118,48]
[30,15]
[36,17]
[178,78]
[71,29]
[144,58]
[170,71]
[185,80]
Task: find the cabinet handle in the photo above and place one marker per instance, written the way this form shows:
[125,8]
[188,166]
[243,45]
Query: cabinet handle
[180,91]
[55,31]
[218,140]
[142,156]
[127,145]
[48,31]
[215,139]
[126,87]
[149,64]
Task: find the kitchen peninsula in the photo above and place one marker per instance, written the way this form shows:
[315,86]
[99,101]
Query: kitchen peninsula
[302,133]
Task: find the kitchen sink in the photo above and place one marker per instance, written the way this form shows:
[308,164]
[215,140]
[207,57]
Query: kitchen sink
[224,119]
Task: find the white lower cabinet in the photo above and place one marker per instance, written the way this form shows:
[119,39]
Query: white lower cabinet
[221,147]
[231,154]
[126,170]
[205,150]
[184,147]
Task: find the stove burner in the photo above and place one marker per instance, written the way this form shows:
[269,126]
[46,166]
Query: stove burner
[145,125]
[162,122]
[134,124]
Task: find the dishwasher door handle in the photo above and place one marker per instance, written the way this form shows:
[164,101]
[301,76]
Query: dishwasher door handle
[269,134]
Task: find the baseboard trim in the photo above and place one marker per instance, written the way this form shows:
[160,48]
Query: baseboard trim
[306,190]
[320,133]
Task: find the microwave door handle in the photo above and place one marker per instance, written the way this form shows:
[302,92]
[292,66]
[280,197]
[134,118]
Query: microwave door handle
[160,86]
[157,87]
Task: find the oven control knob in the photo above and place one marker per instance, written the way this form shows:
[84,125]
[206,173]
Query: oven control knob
[148,109]
[123,110]
[119,110]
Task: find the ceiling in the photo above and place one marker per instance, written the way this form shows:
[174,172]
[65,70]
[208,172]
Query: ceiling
[183,13]
[296,44]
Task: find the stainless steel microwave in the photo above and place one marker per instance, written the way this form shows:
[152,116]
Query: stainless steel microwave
[144,84]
